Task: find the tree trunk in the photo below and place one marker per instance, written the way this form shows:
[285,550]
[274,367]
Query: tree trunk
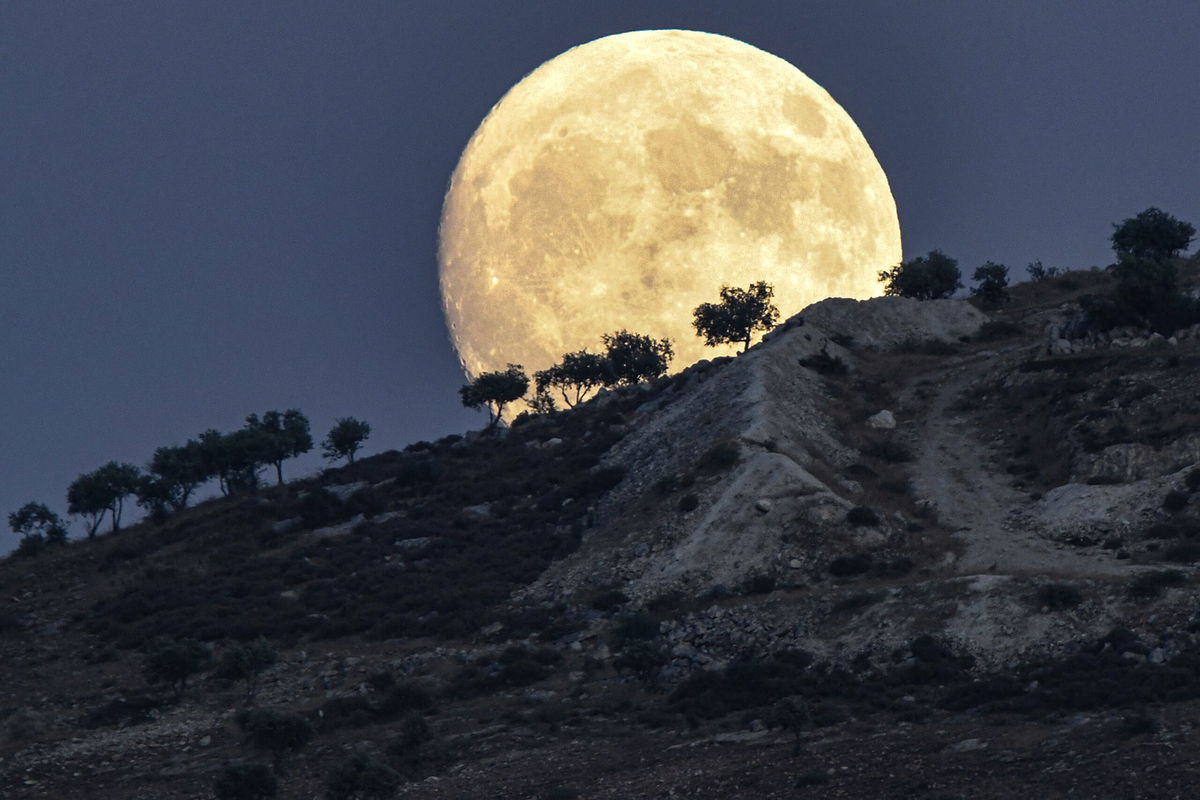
[279,472]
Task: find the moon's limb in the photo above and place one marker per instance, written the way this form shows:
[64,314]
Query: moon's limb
[622,183]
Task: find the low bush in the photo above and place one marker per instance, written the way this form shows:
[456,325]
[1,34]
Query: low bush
[275,731]
[825,364]
[1183,553]
[1057,597]
[1175,501]
[890,450]
[688,503]
[861,515]
[721,456]
[362,777]
[997,329]
[245,781]
[1152,584]
[848,566]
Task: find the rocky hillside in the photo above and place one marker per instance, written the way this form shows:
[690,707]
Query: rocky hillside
[898,549]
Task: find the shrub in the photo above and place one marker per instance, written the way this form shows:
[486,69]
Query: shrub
[406,749]
[993,280]
[245,781]
[637,626]
[1038,272]
[173,662]
[1192,481]
[689,502]
[276,731]
[362,777]
[825,364]
[721,456]
[890,450]
[1183,553]
[930,277]
[861,515]
[1057,597]
[847,566]
[997,329]
[245,662]
[1175,501]
[610,600]
[1152,584]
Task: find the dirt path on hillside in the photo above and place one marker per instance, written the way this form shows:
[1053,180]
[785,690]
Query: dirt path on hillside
[954,471]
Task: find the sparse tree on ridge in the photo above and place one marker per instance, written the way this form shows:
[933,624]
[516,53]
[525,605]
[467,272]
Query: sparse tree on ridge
[993,282]
[575,377]
[119,480]
[930,277]
[86,498]
[740,314]
[172,475]
[1153,234]
[495,390]
[37,525]
[634,357]
[283,436]
[345,439]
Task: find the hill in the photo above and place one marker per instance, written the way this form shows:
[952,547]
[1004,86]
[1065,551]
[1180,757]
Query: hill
[898,549]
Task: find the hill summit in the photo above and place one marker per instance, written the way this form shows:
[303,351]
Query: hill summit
[899,548]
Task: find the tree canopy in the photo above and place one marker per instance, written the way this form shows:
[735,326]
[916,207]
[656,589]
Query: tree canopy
[930,277]
[495,390]
[345,439]
[280,436]
[992,280]
[740,314]
[38,525]
[1153,234]
[634,357]
[575,377]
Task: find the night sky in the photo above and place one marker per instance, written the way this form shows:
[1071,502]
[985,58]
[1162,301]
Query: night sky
[209,208]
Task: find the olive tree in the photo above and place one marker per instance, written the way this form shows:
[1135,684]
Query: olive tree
[633,357]
[1153,234]
[495,390]
[930,277]
[575,377]
[740,314]
[281,436]
[174,662]
[345,439]
[38,526]
[276,731]
[992,282]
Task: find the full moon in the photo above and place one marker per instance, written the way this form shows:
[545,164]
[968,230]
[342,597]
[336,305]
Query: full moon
[622,183]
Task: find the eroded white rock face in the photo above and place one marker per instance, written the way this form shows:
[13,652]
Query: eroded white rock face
[763,514]
[882,323]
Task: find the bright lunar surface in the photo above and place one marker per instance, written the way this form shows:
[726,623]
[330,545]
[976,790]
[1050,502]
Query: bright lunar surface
[621,184]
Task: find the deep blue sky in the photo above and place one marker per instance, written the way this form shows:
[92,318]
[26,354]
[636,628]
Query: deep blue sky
[212,208]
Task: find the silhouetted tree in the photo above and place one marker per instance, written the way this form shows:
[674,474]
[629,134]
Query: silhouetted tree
[276,731]
[495,390]
[1038,272]
[929,277]
[740,314]
[575,377]
[633,358]
[992,280]
[345,439]
[92,494]
[1147,290]
[171,476]
[245,781]
[87,497]
[236,458]
[1152,234]
[38,526]
[173,662]
[283,436]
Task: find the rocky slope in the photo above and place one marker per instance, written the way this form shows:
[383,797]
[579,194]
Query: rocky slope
[943,553]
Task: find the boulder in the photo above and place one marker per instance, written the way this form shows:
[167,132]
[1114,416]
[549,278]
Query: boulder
[884,420]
